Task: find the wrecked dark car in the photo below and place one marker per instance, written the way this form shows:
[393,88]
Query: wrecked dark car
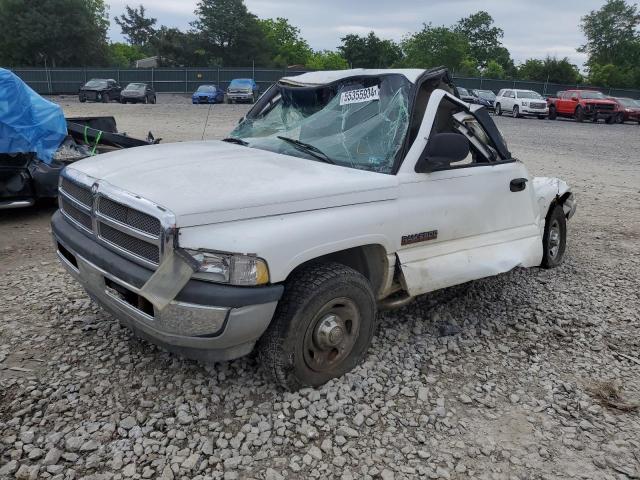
[100,90]
[37,142]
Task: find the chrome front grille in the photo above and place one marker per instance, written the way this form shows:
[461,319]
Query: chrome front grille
[538,105]
[132,244]
[116,219]
[129,216]
[83,217]
[80,194]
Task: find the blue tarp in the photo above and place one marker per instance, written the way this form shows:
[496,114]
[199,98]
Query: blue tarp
[28,122]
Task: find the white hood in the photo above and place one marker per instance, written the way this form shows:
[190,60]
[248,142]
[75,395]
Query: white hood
[211,182]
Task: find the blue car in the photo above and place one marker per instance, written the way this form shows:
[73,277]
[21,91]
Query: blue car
[242,90]
[208,94]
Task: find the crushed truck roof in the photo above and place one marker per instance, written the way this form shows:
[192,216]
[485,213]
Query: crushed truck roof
[326,77]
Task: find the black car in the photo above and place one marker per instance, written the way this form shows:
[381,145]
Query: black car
[100,90]
[138,93]
[484,97]
[464,95]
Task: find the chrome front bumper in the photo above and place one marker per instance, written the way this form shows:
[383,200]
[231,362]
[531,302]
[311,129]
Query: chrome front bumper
[201,332]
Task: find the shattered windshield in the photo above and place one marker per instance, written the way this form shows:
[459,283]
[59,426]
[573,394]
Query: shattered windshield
[357,122]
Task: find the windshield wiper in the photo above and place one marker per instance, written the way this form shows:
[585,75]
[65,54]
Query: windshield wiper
[235,140]
[308,148]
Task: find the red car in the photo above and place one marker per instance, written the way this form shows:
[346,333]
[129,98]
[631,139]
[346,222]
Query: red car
[627,110]
[582,105]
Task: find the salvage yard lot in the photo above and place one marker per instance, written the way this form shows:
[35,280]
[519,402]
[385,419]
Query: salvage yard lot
[498,379]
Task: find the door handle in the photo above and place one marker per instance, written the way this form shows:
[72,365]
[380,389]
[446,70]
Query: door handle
[518,184]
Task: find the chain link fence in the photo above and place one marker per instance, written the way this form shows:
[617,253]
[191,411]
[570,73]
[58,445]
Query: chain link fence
[55,81]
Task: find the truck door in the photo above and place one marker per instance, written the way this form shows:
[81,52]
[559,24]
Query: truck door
[474,219]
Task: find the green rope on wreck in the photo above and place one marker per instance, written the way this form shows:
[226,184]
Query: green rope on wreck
[93,151]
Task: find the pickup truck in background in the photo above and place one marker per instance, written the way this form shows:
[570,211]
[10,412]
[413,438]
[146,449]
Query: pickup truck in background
[582,105]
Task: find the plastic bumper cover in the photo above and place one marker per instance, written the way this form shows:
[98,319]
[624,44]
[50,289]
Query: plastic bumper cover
[196,330]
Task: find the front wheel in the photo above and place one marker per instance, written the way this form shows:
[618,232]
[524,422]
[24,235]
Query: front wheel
[516,111]
[498,109]
[105,98]
[554,240]
[552,113]
[579,115]
[322,326]
[619,118]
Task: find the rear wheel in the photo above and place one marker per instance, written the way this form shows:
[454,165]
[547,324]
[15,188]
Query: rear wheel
[516,111]
[83,99]
[498,109]
[146,100]
[322,327]
[579,114]
[554,240]
[153,99]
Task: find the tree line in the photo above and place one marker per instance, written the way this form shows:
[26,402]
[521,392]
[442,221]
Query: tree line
[60,33]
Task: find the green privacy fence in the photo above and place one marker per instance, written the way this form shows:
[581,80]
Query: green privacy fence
[186,80]
[55,81]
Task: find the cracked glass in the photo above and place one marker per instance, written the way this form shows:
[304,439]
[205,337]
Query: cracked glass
[364,128]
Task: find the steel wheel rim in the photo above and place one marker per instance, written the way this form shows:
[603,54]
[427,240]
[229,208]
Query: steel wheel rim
[554,239]
[331,335]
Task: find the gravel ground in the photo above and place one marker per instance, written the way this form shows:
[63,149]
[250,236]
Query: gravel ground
[533,374]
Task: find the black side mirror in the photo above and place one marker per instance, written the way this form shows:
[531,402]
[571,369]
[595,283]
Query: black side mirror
[442,150]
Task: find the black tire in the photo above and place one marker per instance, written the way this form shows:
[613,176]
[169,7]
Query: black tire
[146,100]
[498,109]
[105,98]
[123,101]
[554,240]
[541,117]
[315,296]
[154,100]
[516,111]
[579,114]
[620,118]
[83,99]
[552,113]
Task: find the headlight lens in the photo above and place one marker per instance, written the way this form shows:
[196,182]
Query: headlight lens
[525,104]
[243,270]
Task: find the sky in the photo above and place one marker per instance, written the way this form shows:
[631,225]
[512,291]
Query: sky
[532,28]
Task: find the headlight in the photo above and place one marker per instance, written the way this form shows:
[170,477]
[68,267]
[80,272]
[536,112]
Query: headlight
[243,270]
[525,104]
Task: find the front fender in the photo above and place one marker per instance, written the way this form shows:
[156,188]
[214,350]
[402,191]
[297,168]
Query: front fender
[550,190]
[287,241]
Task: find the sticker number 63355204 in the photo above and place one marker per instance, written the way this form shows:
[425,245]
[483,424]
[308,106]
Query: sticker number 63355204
[360,95]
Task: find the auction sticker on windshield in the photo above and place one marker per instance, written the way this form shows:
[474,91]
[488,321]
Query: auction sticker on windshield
[361,95]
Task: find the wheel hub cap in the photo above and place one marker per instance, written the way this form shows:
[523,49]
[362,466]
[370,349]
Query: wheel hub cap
[330,333]
[554,239]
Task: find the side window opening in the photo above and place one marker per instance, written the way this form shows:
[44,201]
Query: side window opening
[452,118]
[420,106]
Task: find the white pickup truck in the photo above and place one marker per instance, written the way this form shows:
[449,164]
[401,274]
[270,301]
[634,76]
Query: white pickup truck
[339,193]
